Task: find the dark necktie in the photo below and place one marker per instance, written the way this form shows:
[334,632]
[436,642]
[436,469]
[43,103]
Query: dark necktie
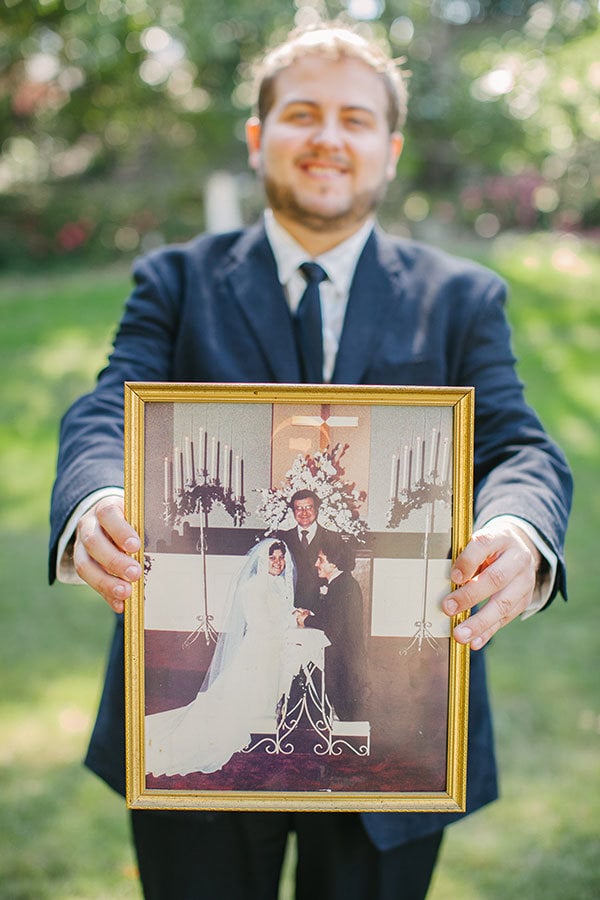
[309,326]
[304,539]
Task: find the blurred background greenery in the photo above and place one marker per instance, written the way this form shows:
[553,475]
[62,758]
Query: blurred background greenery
[150,97]
[116,118]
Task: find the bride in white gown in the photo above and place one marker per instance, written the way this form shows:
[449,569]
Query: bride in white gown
[244,680]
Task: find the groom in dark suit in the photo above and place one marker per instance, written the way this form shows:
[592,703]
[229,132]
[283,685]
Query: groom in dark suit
[340,615]
[317,291]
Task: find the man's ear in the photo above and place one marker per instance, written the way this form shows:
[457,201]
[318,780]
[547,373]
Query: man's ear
[396,145]
[253,135]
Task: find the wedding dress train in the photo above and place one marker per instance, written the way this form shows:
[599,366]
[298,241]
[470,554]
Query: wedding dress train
[244,682]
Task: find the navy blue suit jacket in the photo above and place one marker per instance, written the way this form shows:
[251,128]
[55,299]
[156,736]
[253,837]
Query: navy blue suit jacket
[213,311]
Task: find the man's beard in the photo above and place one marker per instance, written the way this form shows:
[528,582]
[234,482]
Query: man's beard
[283,199]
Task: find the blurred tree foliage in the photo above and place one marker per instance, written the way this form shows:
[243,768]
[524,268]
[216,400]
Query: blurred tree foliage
[114,112]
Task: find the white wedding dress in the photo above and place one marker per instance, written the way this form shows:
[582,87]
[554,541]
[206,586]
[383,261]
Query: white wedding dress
[243,684]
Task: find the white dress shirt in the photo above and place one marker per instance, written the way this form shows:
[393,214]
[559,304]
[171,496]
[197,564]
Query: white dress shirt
[310,532]
[339,264]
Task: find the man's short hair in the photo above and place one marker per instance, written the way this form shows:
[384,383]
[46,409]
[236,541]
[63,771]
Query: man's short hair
[336,41]
[305,494]
[337,551]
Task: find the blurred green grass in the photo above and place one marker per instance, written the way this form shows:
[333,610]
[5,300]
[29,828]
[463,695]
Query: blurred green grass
[64,834]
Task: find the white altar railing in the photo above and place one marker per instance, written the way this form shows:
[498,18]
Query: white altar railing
[304,707]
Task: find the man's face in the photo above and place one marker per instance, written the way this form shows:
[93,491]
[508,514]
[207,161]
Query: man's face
[304,512]
[323,566]
[324,149]
[276,562]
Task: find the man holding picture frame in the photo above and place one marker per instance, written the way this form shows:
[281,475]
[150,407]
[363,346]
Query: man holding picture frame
[316,292]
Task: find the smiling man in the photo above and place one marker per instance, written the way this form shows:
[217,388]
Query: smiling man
[316,287]
[324,148]
[303,541]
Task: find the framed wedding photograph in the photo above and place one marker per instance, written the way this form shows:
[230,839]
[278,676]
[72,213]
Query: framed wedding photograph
[286,647]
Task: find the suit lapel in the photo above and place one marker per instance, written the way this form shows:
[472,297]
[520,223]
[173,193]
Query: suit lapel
[376,286]
[250,274]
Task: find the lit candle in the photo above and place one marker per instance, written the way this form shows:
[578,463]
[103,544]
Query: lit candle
[237,476]
[242,477]
[405,469]
[178,484]
[205,456]
[167,495]
[420,457]
[213,457]
[444,466]
[181,469]
[393,477]
[229,474]
[218,459]
[187,467]
[192,462]
[226,483]
[432,452]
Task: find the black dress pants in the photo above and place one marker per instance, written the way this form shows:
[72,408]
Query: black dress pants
[238,856]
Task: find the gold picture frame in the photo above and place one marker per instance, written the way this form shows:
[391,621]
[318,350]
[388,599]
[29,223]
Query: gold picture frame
[210,470]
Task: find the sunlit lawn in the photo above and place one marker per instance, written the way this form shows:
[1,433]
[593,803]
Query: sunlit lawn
[543,839]
[64,834]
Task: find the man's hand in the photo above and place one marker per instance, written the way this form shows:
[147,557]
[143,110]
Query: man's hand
[499,566]
[103,541]
[301,616]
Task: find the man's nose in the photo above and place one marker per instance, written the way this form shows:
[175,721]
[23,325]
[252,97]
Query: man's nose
[328,132]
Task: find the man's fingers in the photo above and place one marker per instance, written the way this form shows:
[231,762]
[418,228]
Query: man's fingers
[481,549]
[495,614]
[495,561]
[110,515]
[114,590]
[103,541]
[99,547]
[495,578]
[500,568]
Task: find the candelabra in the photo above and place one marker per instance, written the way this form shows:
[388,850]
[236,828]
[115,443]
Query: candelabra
[193,485]
[420,478]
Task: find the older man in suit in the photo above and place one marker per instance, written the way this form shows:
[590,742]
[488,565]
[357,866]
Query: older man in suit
[303,540]
[317,292]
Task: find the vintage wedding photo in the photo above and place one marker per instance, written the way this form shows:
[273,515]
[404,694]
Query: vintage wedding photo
[288,645]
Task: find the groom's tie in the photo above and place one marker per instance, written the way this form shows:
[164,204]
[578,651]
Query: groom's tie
[309,326]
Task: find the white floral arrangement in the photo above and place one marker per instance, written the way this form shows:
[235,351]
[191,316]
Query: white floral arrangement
[324,475]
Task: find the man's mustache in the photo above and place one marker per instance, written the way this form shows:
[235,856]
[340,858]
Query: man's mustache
[336,160]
